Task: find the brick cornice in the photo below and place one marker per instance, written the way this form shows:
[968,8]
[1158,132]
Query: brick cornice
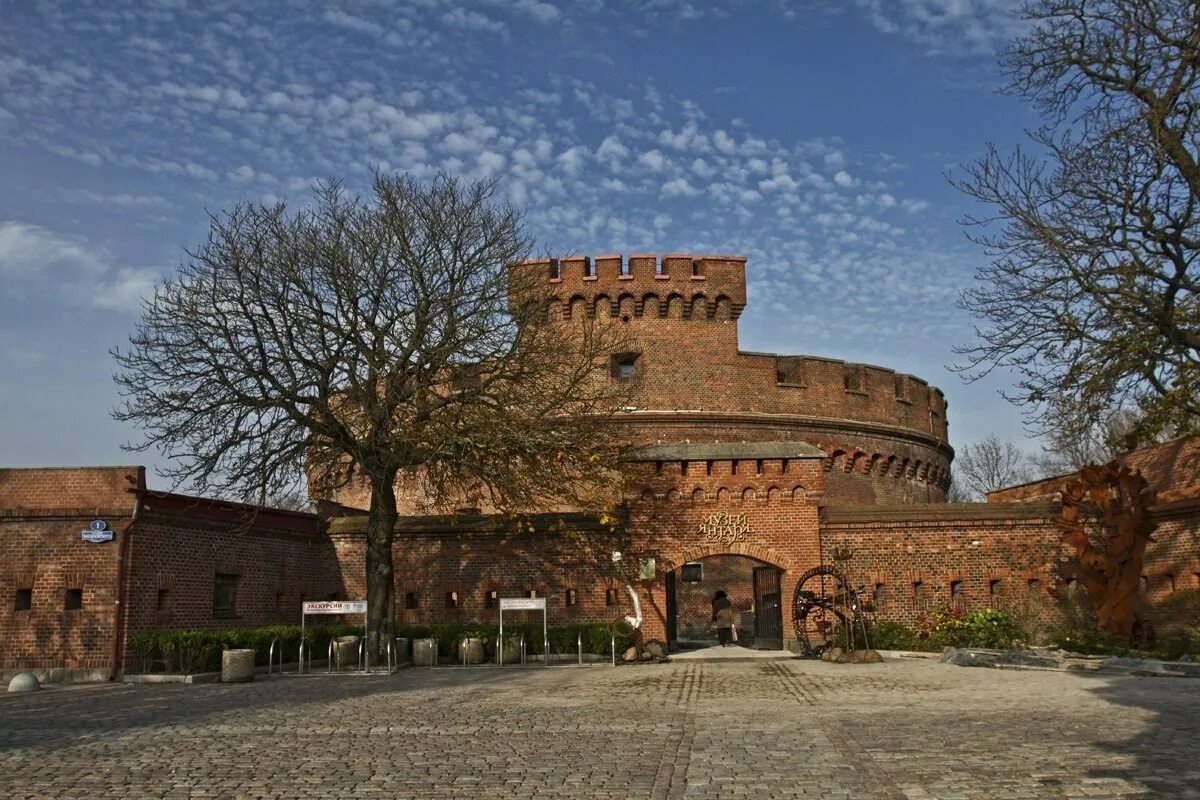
[938,512]
[766,419]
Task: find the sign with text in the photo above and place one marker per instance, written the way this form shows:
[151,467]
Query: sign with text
[725,528]
[97,532]
[335,606]
[522,604]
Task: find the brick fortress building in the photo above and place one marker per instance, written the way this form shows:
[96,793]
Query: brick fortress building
[756,469]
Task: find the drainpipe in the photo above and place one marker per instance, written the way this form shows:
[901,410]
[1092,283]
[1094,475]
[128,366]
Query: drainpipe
[123,566]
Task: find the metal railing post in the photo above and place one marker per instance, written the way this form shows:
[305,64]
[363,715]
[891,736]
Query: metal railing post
[500,650]
[362,653]
[614,649]
[433,661]
[546,651]
[329,658]
[522,649]
[271,657]
[300,659]
[579,645]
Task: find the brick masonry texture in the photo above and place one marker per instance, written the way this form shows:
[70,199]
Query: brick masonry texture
[873,486]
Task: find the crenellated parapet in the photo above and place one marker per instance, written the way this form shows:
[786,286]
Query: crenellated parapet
[697,287]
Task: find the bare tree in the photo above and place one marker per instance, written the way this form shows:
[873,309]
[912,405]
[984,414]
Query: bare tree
[1076,441]
[365,337]
[988,465]
[1091,292]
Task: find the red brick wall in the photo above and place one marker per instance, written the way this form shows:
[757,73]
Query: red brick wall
[992,554]
[180,544]
[43,513]
[885,432]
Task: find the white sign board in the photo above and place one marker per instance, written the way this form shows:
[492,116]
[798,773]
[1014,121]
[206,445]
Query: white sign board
[335,606]
[522,604]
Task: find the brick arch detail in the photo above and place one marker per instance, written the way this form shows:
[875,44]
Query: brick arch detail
[748,549]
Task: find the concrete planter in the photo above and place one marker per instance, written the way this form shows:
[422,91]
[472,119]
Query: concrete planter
[470,651]
[237,666]
[403,651]
[345,651]
[424,652]
[512,650]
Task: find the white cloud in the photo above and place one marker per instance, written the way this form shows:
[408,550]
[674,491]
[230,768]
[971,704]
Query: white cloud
[611,150]
[124,290]
[652,160]
[28,250]
[843,179]
[473,20]
[679,187]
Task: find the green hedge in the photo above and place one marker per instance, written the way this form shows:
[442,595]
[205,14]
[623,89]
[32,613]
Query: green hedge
[191,651]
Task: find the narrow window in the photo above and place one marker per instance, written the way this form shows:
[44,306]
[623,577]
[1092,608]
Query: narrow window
[410,600]
[879,595]
[758,465]
[1034,585]
[610,597]
[555,269]
[490,598]
[708,468]
[625,366]
[692,572]
[572,598]
[994,588]
[697,267]
[901,386]
[73,601]
[956,592]
[733,466]
[918,590]
[451,599]
[660,266]
[1169,582]
[589,270]
[23,600]
[624,265]
[225,593]
[164,596]
[683,467]
[658,468]
[531,593]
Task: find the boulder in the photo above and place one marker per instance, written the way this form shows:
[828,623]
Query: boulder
[631,654]
[655,648]
[24,682]
[865,657]
[833,654]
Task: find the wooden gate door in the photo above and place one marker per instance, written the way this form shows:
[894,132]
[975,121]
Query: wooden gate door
[768,609]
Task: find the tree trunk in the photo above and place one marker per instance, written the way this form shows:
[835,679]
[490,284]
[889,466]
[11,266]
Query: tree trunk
[381,524]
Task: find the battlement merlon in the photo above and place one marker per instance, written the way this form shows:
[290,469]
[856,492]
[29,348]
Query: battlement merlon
[637,274]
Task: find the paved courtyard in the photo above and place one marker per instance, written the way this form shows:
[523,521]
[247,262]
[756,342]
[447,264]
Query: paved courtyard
[903,729]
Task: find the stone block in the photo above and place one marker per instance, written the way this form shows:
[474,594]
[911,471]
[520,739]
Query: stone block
[237,666]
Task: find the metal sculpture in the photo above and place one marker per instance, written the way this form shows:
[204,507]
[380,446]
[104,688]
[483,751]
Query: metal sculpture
[824,599]
[1115,500]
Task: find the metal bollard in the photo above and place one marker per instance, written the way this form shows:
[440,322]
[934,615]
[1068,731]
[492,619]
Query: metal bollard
[389,653]
[522,649]
[271,656]
[362,655]
[614,649]
[579,645]
[546,652]
[300,659]
[329,658]
[433,661]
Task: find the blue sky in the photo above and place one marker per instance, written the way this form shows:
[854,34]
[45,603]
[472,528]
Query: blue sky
[813,137]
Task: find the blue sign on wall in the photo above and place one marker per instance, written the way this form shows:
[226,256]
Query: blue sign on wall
[98,532]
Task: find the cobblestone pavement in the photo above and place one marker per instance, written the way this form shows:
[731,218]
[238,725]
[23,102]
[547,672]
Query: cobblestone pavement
[903,729]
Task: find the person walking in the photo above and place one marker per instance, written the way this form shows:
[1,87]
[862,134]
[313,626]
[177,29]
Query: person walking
[722,618]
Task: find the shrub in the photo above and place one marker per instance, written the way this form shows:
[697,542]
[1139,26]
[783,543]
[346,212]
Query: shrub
[887,634]
[190,651]
[953,627]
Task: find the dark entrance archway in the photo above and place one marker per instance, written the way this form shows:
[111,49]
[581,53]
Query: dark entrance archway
[754,588]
